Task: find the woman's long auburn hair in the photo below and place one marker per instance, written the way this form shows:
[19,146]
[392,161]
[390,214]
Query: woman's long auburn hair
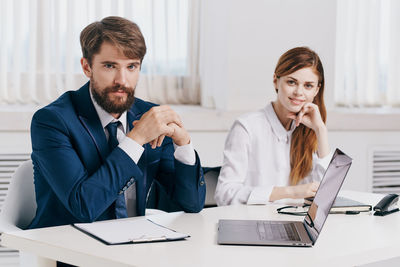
[304,141]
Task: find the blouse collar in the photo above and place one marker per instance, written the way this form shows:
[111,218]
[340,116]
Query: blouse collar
[281,133]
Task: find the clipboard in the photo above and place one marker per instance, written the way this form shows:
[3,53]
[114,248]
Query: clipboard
[129,231]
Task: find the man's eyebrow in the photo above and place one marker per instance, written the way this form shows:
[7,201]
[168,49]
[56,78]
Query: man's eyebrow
[108,62]
[134,61]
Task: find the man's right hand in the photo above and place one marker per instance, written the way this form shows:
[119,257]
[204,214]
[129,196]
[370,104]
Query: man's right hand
[154,123]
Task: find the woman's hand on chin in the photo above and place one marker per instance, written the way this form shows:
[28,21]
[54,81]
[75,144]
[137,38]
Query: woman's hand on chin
[308,115]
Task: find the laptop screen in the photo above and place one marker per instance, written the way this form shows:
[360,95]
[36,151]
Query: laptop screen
[326,193]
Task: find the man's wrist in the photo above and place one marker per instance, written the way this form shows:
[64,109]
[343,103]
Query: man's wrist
[135,137]
[182,142]
[132,148]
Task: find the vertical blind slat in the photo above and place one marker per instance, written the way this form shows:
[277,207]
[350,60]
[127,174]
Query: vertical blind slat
[3,52]
[364,58]
[16,55]
[32,80]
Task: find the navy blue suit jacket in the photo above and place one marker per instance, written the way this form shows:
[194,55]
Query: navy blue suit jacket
[78,180]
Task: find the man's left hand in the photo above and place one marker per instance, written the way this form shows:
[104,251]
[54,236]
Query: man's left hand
[180,136]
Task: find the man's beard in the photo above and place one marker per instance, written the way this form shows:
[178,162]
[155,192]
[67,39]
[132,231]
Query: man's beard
[117,105]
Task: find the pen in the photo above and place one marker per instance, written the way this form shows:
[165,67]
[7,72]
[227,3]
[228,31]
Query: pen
[352,212]
[148,239]
[348,212]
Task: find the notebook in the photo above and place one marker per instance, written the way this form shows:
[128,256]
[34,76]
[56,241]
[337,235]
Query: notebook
[344,205]
[291,233]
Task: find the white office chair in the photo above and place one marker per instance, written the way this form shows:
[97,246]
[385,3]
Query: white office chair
[19,207]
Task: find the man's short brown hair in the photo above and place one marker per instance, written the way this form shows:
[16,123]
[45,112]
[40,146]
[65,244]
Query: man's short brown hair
[118,31]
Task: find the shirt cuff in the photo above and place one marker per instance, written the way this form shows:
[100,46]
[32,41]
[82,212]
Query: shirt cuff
[185,154]
[260,195]
[132,148]
[241,196]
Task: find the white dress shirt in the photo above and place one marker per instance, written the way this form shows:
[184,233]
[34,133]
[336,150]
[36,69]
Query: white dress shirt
[184,154]
[257,158]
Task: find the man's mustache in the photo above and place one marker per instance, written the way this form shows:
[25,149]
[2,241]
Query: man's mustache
[128,90]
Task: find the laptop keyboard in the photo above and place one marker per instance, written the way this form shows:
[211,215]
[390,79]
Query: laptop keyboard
[277,231]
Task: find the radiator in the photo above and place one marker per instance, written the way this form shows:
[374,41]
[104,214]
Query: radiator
[8,164]
[385,169]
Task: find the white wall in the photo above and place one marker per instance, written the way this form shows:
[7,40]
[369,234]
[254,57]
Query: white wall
[244,39]
[359,145]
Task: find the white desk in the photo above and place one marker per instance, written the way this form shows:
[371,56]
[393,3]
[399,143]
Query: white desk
[346,240]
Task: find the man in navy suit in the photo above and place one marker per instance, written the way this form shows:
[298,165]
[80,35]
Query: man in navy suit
[84,170]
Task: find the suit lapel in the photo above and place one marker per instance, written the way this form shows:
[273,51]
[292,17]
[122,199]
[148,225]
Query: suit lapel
[88,116]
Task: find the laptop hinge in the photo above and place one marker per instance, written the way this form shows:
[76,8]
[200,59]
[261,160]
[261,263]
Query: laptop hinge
[308,233]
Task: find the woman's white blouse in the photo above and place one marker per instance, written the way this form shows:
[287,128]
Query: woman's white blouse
[257,158]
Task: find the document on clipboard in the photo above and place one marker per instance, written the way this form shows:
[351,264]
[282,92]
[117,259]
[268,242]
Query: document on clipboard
[139,230]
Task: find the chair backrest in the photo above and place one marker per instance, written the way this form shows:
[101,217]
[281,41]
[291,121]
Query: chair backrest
[211,179]
[19,207]
[158,199]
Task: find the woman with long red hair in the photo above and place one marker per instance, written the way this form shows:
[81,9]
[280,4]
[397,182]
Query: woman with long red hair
[282,150]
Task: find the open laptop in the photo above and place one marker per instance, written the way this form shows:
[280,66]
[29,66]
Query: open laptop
[291,233]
